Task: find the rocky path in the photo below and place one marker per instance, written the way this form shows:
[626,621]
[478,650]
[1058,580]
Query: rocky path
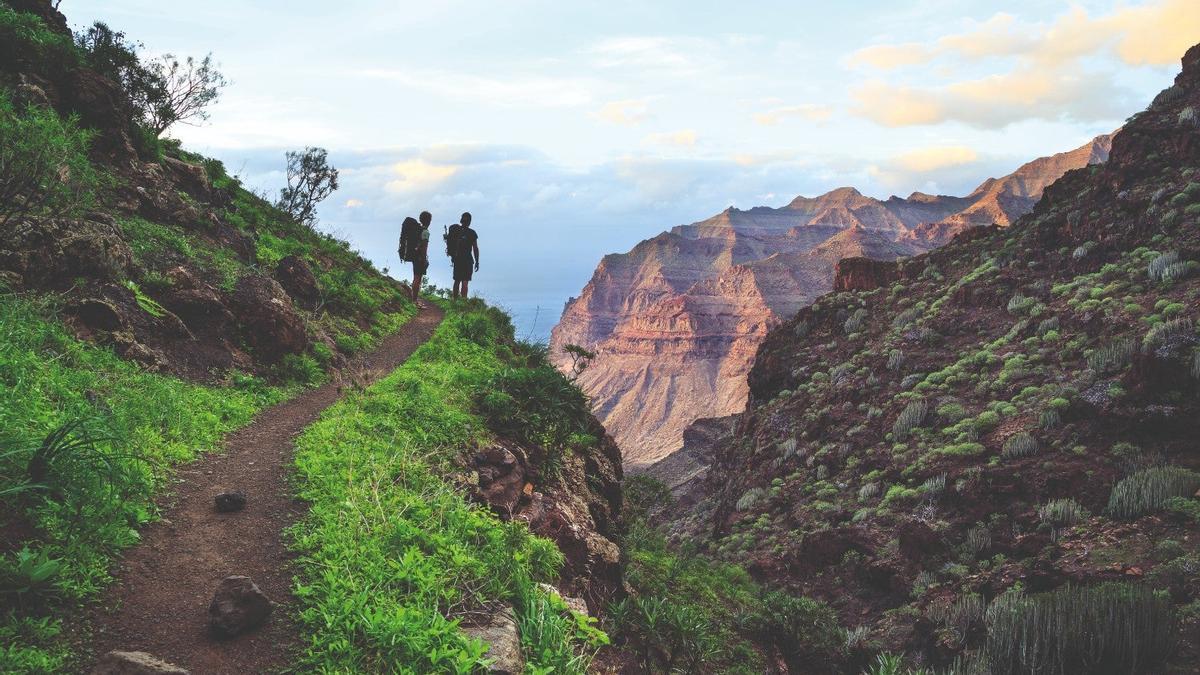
[159,602]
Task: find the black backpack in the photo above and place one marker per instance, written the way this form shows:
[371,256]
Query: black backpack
[454,241]
[410,240]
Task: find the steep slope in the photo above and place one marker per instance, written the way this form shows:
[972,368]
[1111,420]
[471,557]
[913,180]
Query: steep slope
[675,321]
[1013,414]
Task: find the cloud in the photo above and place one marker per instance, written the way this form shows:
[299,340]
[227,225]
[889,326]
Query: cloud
[930,159]
[995,101]
[353,203]
[418,175]
[517,91]
[1156,33]
[813,112]
[629,112]
[887,57]
[685,138]
[659,53]
[1051,69]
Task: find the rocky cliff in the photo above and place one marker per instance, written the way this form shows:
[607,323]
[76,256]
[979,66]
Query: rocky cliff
[957,444]
[675,322]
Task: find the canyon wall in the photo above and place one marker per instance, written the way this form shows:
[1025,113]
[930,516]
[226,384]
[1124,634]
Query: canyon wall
[676,321]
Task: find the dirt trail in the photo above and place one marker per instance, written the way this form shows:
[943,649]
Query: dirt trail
[159,602]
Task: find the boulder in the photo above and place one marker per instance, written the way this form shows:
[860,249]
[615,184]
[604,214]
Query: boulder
[268,319]
[134,663]
[55,252]
[237,606]
[229,502]
[191,178]
[501,634]
[501,479]
[298,280]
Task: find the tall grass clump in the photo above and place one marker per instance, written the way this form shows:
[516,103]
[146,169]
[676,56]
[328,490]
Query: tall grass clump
[1020,444]
[1112,356]
[1148,490]
[911,417]
[1159,265]
[1110,629]
[1166,330]
[856,321]
[1060,514]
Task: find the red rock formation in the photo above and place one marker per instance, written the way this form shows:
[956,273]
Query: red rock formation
[863,274]
[676,321]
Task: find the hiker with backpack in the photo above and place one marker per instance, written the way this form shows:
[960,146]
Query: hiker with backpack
[462,245]
[414,248]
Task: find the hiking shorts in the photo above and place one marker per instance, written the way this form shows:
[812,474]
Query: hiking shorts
[420,267]
[463,268]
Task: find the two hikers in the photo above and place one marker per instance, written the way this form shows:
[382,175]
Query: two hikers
[462,246]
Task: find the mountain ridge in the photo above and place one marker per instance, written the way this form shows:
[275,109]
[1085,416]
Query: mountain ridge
[628,316]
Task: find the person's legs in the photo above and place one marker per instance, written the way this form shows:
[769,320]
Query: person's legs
[465,284]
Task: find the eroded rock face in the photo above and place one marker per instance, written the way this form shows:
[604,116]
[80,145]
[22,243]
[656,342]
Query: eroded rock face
[298,280]
[676,322]
[237,606]
[269,322]
[578,507]
[58,251]
[134,663]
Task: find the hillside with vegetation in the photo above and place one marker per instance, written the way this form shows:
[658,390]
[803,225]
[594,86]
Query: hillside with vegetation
[985,458]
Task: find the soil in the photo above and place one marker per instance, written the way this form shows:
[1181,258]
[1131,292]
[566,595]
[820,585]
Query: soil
[159,602]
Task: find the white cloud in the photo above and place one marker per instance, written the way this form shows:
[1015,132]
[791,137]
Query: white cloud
[536,91]
[814,112]
[419,175]
[353,203]
[939,157]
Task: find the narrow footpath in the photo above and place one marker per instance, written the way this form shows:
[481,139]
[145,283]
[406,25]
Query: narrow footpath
[159,601]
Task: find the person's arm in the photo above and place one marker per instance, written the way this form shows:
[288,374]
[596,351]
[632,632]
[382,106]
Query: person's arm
[475,246]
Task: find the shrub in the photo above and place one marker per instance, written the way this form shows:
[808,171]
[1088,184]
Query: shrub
[1166,330]
[44,169]
[934,485]
[868,490]
[1112,356]
[979,539]
[751,497]
[1049,418]
[804,630]
[538,405]
[1020,304]
[905,318]
[1021,444]
[1060,514]
[1159,265]
[960,617]
[895,360]
[1148,490]
[857,321]
[1188,117]
[910,418]
[1110,629]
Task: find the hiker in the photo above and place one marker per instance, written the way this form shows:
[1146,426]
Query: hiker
[414,247]
[462,245]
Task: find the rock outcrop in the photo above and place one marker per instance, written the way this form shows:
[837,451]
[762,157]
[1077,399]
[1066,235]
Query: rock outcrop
[675,322]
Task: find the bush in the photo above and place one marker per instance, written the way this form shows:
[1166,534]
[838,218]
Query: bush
[895,360]
[1060,514]
[805,630]
[910,418]
[538,405]
[25,38]
[751,497]
[1149,490]
[1021,444]
[1112,356]
[1020,304]
[1110,629]
[856,322]
[44,169]
[1165,331]
[1159,265]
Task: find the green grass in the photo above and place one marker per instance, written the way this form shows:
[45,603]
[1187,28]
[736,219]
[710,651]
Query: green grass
[48,379]
[392,556]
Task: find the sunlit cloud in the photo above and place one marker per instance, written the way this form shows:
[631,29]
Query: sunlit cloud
[929,159]
[353,203]
[416,175]
[813,112]
[628,112]
[685,138]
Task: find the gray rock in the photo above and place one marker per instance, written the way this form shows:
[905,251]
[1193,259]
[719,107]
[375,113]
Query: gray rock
[504,642]
[134,663]
[228,502]
[238,605]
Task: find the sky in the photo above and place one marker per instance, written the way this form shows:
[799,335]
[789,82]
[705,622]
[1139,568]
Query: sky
[575,129]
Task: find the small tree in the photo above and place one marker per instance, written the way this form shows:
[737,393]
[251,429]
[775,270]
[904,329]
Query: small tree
[310,179]
[109,54]
[188,87]
[581,358]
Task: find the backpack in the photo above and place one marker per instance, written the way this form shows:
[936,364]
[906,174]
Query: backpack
[454,240]
[410,240]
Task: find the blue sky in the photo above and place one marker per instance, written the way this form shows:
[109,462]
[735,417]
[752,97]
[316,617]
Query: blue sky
[574,129]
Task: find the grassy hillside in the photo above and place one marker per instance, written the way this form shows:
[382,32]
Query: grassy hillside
[988,453]
[140,293]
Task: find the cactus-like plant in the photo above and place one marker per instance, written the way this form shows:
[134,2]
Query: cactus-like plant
[1148,490]
[1021,444]
[910,418]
